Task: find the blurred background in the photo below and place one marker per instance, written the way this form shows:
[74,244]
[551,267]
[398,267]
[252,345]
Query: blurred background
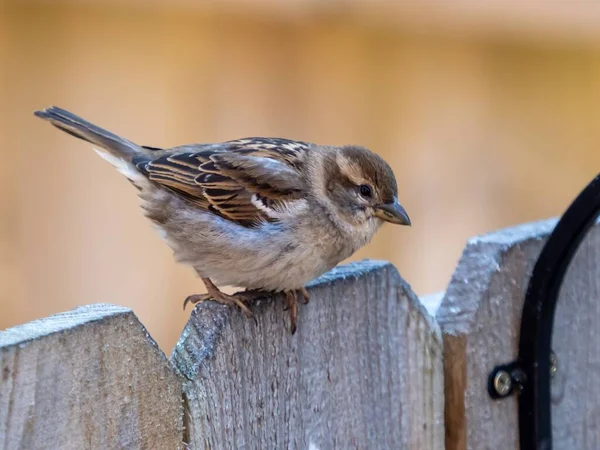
[488,112]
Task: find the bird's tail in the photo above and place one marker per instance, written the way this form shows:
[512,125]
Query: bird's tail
[82,129]
[115,149]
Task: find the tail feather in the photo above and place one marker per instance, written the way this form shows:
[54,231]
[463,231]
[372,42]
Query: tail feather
[82,129]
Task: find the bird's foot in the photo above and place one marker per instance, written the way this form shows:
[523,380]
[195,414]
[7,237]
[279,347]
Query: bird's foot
[305,295]
[292,305]
[240,299]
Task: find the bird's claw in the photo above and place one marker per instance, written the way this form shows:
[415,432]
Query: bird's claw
[243,299]
[239,300]
[195,298]
[292,305]
[305,295]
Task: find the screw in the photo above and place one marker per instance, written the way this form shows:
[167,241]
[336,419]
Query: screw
[502,383]
[553,364]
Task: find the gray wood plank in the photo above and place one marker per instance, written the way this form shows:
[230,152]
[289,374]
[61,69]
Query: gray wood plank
[480,317]
[576,342]
[364,369]
[88,378]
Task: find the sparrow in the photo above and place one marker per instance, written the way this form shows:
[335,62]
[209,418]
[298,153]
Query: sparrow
[265,214]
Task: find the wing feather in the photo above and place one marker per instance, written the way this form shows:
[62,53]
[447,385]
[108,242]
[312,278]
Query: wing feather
[247,181]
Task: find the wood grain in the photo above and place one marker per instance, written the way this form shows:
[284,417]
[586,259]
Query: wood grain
[89,378]
[480,317]
[364,369]
[576,342]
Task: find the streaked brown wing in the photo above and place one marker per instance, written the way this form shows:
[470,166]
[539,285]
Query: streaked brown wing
[239,180]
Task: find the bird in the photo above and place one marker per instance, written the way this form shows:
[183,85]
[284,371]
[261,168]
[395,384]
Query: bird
[265,214]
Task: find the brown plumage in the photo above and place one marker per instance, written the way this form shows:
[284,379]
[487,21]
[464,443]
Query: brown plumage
[266,214]
[232,178]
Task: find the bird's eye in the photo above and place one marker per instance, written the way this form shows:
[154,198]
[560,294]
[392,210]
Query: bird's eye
[365,190]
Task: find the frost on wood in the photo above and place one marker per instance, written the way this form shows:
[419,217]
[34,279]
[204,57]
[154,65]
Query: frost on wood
[88,378]
[364,369]
[480,318]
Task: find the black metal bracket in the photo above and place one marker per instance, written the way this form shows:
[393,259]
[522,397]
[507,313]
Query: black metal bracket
[530,374]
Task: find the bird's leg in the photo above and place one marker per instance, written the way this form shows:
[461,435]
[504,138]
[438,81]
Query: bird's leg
[305,295]
[292,305]
[240,299]
[298,292]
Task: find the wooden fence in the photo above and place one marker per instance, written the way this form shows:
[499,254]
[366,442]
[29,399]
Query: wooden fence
[369,368]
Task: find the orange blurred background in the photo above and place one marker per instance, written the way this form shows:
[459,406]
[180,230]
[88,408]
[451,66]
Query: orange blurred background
[489,116]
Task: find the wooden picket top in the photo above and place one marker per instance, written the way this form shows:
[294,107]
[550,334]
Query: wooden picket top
[359,372]
[480,317]
[89,378]
[369,368]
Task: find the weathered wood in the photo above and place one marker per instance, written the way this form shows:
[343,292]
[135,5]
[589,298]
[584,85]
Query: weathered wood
[576,342]
[89,378]
[364,369]
[480,318]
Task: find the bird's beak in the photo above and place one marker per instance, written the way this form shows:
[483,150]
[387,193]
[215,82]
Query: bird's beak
[393,213]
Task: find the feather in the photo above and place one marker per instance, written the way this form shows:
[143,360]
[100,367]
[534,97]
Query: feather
[247,181]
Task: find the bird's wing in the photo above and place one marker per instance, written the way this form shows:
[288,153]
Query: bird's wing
[247,181]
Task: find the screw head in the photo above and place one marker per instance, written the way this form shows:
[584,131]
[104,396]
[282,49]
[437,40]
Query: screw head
[502,383]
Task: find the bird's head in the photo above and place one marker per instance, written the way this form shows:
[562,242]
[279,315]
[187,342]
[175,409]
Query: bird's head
[361,187]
